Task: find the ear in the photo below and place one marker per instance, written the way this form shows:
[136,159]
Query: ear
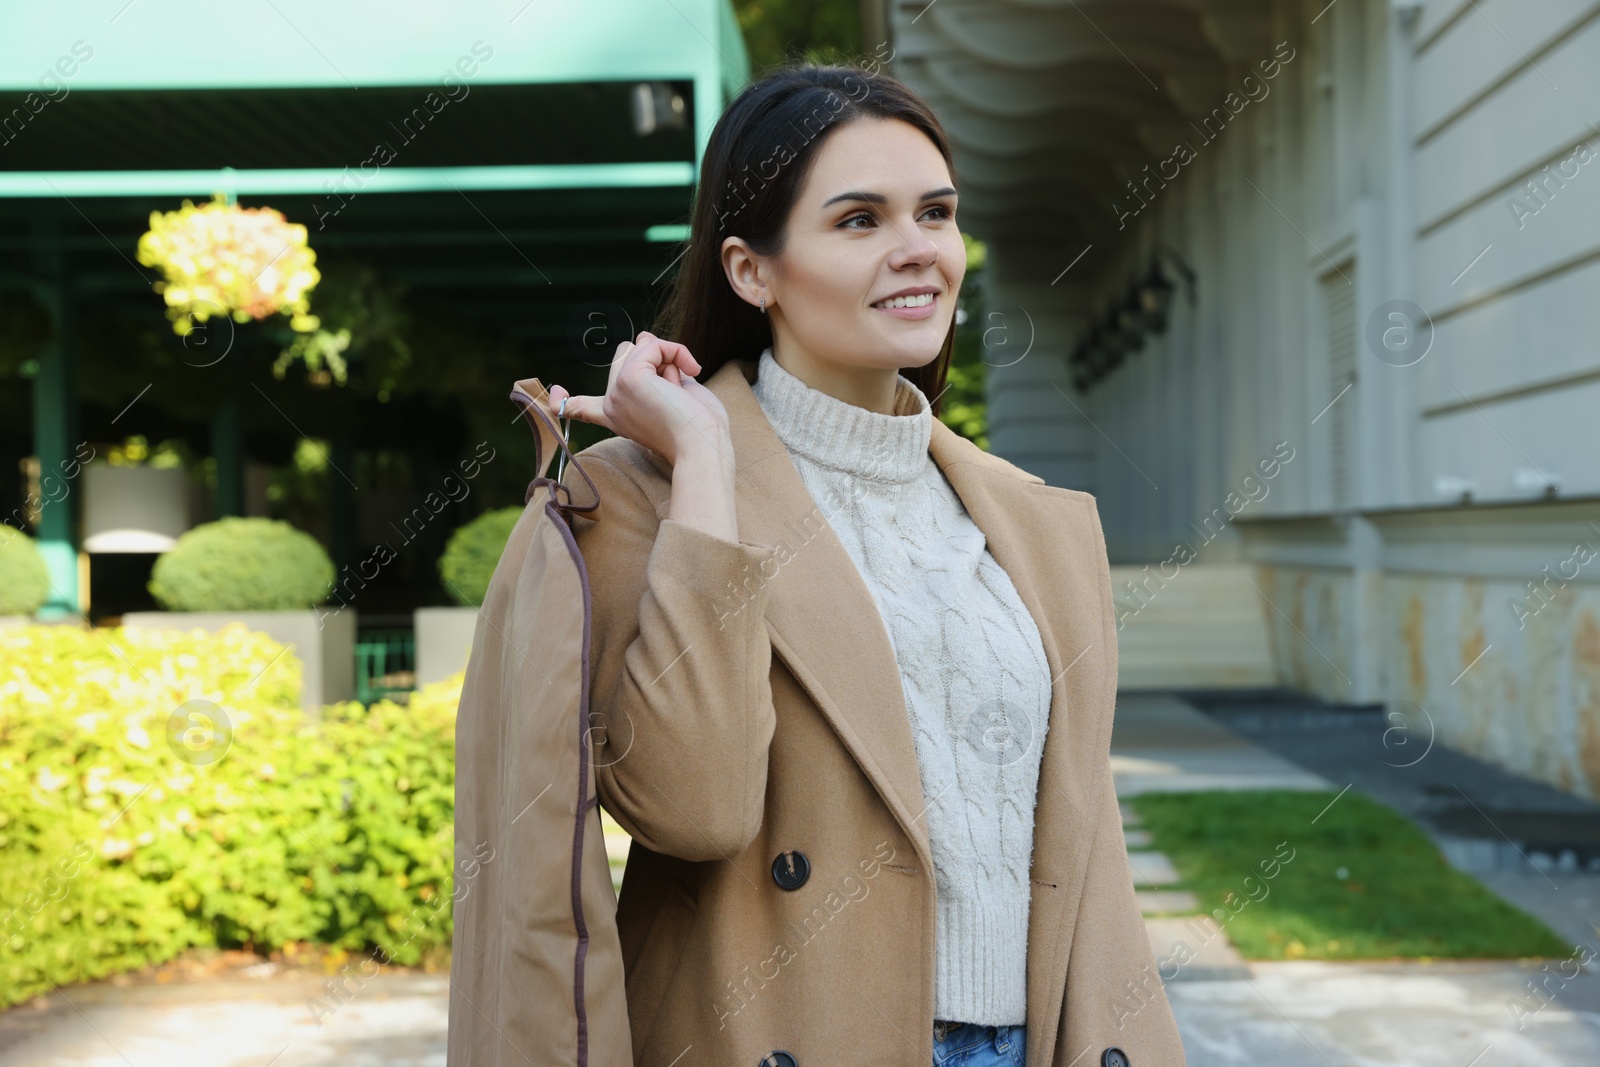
[746,272]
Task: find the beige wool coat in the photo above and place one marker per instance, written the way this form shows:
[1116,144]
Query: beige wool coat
[751,734]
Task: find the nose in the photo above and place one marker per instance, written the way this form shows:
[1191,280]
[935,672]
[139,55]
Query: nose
[916,250]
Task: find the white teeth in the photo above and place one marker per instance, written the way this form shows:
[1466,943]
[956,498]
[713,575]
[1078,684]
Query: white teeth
[921,300]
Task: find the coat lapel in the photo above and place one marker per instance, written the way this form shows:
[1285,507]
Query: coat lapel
[827,630]
[825,624]
[1047,540]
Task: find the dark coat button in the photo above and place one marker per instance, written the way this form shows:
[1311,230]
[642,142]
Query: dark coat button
[790,870]
[1114,1057]
[778,1058]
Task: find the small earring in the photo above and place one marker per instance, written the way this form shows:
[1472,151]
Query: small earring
[763,305]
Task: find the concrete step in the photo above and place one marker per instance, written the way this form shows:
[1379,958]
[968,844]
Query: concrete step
[1152,901]
[1152,868]
[1205,627]
[1194,949]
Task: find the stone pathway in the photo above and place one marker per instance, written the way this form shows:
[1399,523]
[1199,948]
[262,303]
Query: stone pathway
[1237,1013]
[1163,745]
[1311,1013]
[393,1020]
[1182,947]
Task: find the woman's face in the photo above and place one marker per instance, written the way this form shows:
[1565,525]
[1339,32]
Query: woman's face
[875,219]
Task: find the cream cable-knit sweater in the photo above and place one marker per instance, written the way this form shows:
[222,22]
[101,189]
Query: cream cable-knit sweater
[972,666]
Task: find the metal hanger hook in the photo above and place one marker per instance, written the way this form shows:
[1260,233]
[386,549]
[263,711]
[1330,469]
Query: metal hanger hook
[562,423]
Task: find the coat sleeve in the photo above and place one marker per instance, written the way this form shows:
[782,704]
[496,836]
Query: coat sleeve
[680,698]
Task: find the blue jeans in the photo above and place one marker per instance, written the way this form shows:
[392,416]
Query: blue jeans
[978,1045]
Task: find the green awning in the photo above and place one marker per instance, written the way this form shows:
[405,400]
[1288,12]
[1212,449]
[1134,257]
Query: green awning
[48,52]
[484,146]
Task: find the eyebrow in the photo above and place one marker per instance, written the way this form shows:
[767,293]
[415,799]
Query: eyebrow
[879,198]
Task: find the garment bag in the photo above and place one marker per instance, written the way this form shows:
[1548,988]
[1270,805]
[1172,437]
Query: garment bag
[536,976]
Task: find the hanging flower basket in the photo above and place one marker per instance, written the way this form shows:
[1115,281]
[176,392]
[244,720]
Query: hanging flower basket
[222,259]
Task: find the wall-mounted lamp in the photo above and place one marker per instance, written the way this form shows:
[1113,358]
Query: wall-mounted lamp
[1155,299]
[1144,309]
[1155,292]
[1130,321]
[1110,346]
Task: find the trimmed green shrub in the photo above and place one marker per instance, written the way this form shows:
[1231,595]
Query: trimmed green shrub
[473,551]
[237,564]
[24,579]
[132,828]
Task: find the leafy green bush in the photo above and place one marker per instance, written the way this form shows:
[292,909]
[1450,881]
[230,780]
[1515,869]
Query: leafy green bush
[132,828]
[237,564]
[473,551]
[24,579]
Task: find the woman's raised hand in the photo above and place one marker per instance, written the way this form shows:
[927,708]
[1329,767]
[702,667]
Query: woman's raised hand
[652,398]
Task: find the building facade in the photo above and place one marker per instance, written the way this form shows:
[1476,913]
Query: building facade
[1308,295]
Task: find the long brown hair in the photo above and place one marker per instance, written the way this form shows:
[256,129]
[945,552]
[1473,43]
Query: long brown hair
[776,123]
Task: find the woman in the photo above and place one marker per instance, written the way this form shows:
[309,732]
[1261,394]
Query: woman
[852,676]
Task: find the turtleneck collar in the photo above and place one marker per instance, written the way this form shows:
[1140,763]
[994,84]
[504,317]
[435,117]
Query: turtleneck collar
[837,434]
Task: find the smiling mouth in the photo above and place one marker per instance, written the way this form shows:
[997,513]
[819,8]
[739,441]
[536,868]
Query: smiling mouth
[918,301]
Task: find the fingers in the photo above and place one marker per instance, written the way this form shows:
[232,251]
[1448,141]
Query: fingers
[670,359]
[618,360]
[583,408]
[680,356]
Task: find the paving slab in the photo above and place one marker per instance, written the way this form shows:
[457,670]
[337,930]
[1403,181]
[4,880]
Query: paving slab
[1136,838]
[1194,949]
[1163,744]
[1158,900]
[1447,1014]
[388,1021]
[1152,868]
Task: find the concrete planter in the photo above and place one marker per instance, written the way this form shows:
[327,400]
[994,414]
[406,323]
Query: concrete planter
[444,640]
[325,641]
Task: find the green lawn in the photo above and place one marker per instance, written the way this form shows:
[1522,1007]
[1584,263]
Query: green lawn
[1361,882]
